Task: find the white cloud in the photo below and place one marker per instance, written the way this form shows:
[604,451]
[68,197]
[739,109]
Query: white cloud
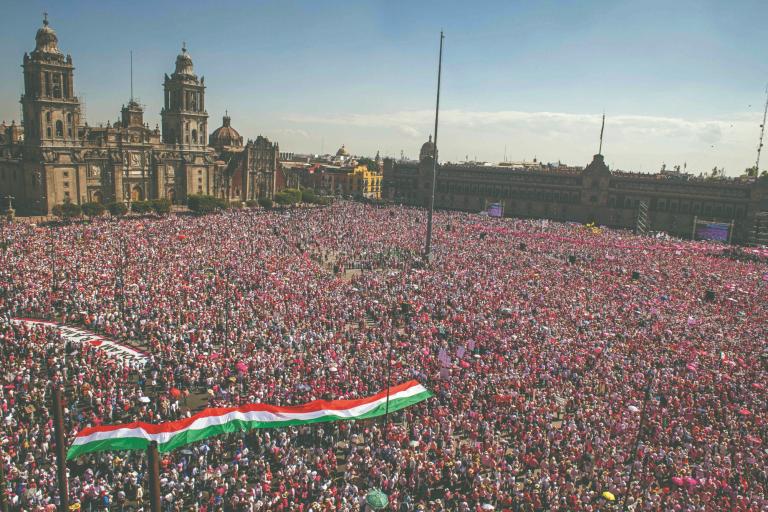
[632,142]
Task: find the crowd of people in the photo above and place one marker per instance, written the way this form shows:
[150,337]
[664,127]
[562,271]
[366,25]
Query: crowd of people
[572,368]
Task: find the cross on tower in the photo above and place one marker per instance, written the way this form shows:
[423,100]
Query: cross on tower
[45,19]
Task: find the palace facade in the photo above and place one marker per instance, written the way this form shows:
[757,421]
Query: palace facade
[662,202]
[52,157]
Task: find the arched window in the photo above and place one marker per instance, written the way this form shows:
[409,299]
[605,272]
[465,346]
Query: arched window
[194,136]
[48,132]
[69,118]
[59,129]
[47,117]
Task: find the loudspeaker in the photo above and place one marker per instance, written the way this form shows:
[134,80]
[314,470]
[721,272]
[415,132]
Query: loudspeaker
[635,275]
[522,246]
[709,295]
[572,259]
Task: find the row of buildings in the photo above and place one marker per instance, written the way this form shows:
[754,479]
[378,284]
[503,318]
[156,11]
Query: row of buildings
[668,202]
[53,157]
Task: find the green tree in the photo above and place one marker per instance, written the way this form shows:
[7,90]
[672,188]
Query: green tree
[283,199]
[202,204]
[265,203]
[141,207]
[67,210]
[161,206]
[750,172]
[93,209]
[117,209]
[369,163]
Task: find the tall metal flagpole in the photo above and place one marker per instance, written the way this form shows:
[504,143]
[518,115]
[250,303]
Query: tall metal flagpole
[428,245]
[61,450]
[153,461]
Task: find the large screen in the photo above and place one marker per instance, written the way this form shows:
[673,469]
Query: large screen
[495,210]
[712,231]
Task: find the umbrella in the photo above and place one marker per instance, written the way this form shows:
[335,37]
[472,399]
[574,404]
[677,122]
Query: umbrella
[144,399]
[175,392]
[376,499]
[633,408]
[488,506]
[609,496]
[744,412]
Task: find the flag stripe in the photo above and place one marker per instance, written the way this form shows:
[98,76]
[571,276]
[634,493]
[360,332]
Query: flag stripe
[136,436]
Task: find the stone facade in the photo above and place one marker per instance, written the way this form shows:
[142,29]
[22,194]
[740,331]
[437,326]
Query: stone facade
[592,194]
[54,158]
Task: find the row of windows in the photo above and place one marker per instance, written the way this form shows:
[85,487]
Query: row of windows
[673,206]
[500,191]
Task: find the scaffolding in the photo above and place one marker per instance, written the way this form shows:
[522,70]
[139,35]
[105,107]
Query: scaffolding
[643,225]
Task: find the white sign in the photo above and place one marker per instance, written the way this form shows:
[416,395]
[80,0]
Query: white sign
[78,335]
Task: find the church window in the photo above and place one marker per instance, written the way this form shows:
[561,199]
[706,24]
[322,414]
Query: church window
[59,129]
[57,85]
[69,118]
[194,136]
[66,87]
[48,132]
[47,117]
[47,83]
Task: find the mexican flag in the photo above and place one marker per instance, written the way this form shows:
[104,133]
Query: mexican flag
[211,422]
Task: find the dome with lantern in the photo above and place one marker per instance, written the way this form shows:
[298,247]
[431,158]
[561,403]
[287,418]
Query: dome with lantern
[342,151]
[184,62]
[225,136]
[427,149]
[46,41]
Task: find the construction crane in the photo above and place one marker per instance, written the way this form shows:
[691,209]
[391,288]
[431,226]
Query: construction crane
[762,132]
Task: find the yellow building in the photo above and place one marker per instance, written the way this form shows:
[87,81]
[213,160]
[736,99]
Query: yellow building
[364,182]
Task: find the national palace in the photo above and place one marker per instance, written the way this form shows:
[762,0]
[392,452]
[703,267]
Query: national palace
[668,202]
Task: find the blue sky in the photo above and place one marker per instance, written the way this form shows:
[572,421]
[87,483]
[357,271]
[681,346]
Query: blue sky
[679,81]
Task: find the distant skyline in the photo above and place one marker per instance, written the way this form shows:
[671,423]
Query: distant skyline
[680,82]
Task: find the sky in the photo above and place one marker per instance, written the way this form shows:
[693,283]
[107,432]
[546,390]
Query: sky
[681,83]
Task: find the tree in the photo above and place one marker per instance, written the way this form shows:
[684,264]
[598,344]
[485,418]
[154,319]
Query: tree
[283,199]
[750,172]
[161,206]
[67,211]
[202,204]
[141,207]
[370,164]
[93,209]
[117,209]
[265,203]
[294,193]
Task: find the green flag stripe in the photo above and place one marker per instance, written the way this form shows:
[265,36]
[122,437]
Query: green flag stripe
[190,436]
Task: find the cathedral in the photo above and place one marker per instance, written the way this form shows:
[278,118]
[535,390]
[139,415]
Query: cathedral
[52,157]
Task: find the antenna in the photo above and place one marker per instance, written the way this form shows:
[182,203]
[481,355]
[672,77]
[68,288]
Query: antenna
[762,132]
[131,76]
[602,127]
[505,152]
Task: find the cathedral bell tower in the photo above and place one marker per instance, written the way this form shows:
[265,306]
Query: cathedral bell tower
[185,120]
[51,109]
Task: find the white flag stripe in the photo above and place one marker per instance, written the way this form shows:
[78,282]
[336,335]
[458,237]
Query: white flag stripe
[265,416]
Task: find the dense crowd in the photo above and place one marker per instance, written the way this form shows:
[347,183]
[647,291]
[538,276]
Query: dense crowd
[573,368]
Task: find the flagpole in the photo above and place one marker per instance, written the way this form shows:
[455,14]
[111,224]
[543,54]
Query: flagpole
[3,488]
[428,245]
[154,476]
[61,453]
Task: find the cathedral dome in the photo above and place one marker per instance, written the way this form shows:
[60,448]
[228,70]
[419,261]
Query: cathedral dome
[225,136]
[46,40]
[342,151]
[427,149]
[184,62]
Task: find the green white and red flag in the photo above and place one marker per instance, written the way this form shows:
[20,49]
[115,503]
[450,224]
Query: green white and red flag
[215,421]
